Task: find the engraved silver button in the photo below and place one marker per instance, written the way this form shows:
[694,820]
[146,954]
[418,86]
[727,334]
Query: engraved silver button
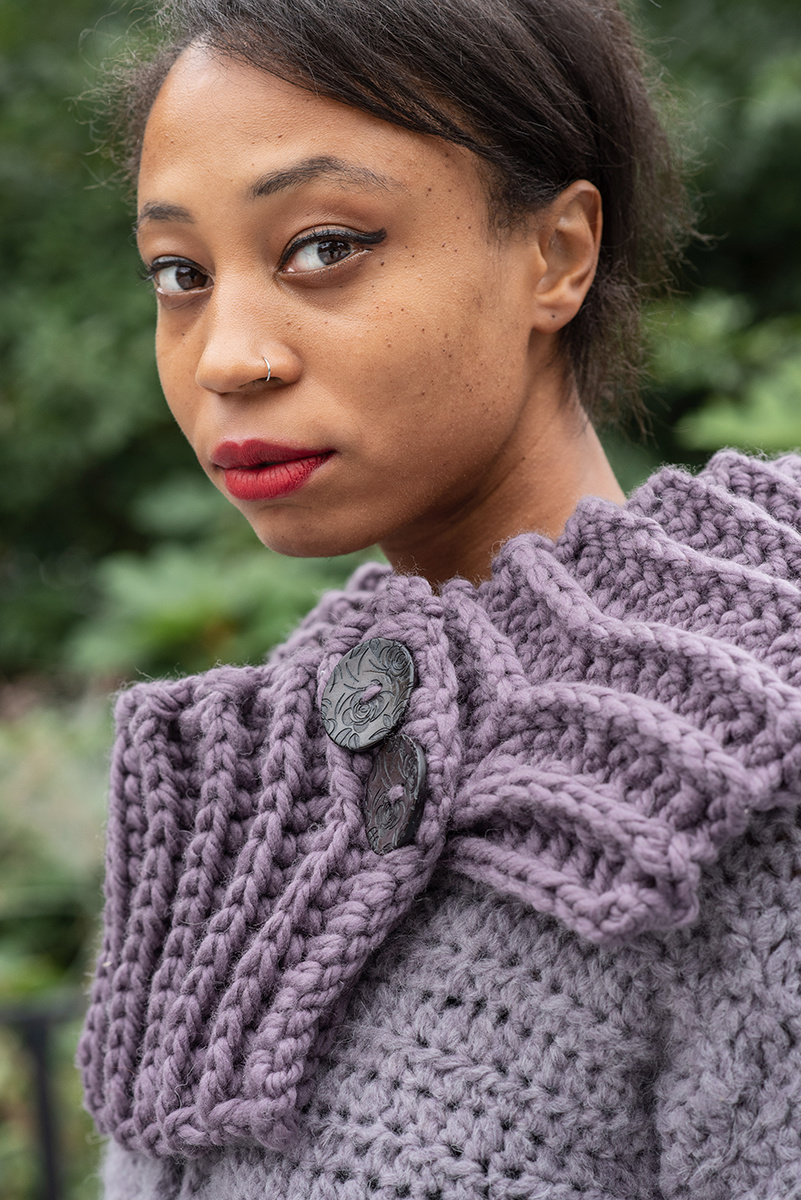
[394,801]
[367,694]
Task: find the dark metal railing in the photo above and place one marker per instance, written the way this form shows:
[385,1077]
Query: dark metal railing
[34,1021]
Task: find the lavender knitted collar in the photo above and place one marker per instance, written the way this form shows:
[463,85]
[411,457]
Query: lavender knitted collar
[598,720]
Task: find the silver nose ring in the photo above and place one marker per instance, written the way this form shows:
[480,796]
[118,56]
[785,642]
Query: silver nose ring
[269,374]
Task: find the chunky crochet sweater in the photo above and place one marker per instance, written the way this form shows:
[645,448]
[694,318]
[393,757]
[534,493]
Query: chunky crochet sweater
[583,976]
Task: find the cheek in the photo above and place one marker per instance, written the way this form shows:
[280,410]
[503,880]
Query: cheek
[176,375]
[427,368]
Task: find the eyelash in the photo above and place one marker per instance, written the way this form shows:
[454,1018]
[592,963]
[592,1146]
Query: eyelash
[365,240]
[332,234]
[149,273]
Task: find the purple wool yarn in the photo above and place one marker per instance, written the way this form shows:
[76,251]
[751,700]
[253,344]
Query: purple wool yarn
[599,721]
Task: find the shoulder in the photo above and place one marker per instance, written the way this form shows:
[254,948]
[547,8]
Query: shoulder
[749,920]
[728,1096]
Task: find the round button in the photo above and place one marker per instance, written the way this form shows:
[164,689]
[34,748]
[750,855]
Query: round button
[367,694]
[393,804]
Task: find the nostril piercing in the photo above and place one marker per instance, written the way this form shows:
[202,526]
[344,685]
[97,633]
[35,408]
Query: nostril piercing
[268,376]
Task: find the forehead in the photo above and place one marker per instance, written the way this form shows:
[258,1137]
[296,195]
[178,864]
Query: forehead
[220,115]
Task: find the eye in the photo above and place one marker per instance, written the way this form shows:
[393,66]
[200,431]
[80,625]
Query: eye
[326,248]
[174,276]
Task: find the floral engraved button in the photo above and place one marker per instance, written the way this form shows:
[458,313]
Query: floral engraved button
[394,801]
[367,694]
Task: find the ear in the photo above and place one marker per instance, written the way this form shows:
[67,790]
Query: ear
[566,239]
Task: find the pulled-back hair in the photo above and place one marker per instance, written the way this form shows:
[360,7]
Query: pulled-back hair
[544,92]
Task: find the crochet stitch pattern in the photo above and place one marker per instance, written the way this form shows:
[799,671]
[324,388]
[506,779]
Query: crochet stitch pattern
[600,719]
[489,1053]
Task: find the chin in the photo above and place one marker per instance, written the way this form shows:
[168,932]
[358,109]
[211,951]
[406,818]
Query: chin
[318,543]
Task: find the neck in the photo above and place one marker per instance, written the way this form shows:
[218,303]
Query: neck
[538,482]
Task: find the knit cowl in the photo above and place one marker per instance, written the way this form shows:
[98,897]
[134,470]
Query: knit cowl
[599,719]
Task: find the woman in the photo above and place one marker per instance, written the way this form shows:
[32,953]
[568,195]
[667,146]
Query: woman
[487,883]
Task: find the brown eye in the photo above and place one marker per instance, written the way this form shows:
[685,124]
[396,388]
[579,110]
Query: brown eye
[320,253]
[173,278]
[332,251]
[322,248]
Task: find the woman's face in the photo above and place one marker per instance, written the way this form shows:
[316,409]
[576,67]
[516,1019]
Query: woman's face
[356,260]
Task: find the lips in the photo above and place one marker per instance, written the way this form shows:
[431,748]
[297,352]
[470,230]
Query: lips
[257,470]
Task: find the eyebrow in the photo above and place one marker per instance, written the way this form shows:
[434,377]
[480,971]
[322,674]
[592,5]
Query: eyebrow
[157,211]
[315,168]
[305,171]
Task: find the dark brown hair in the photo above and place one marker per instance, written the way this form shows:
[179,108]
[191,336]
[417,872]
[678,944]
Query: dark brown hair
[544,92]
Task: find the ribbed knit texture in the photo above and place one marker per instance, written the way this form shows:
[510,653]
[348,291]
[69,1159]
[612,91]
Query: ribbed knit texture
[600,720]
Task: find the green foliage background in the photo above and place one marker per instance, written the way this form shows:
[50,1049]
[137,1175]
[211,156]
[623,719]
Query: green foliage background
[117,558]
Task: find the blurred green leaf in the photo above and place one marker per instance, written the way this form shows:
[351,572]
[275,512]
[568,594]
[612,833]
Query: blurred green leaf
[749,373]
[183,608]
[766,416]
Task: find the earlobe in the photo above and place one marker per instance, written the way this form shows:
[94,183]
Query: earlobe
[568,239]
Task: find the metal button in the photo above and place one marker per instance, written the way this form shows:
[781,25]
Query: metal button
[394,802]
[367,694]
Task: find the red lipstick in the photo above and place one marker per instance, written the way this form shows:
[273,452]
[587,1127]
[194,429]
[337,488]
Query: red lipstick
[256,470]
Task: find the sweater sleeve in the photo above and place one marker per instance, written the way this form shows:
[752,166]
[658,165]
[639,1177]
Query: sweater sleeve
[728,1099]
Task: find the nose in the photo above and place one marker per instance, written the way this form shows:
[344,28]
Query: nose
[240,349]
